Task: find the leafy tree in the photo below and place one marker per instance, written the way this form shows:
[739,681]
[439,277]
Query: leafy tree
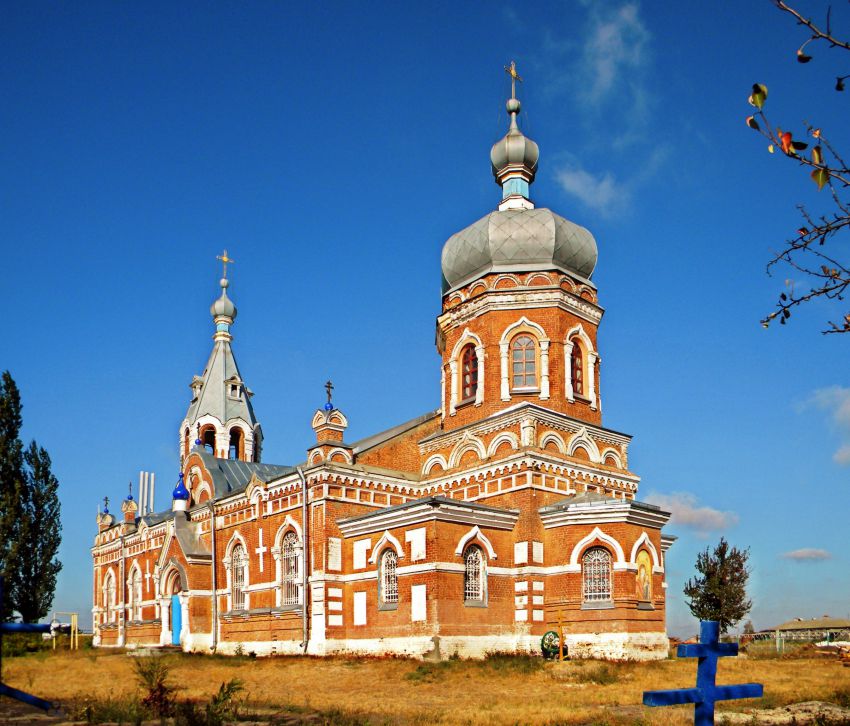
[34,579]
[720,591]
[811,250]
[30,527]
[11,483]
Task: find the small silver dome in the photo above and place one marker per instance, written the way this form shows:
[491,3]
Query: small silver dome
[224,305]
[514,151]
[514,240]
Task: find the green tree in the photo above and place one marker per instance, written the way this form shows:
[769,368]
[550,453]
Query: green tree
[34,579]
[11,483]
[719,592]
[819,262]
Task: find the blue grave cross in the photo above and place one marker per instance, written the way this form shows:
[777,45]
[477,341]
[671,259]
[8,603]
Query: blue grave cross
[706,693]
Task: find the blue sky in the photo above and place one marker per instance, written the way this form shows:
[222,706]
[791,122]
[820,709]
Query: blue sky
[332,148]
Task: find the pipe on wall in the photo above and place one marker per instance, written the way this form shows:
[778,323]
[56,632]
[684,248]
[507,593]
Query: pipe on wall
[214,579]
[305,577]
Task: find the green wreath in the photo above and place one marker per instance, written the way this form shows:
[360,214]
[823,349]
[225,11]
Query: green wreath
[550,645]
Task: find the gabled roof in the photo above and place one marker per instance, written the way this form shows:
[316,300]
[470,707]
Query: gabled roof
[230,476]
[214,398]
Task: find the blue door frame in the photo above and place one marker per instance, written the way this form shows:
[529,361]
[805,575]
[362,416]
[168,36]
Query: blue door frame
[176,620]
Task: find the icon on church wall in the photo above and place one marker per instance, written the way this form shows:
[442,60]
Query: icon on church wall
[643,581]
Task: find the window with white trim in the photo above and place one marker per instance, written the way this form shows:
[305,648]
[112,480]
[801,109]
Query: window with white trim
[109,598]
[388,577]
[289,569]
[577,372]
[238,566]
[469,373]
[475,575]
[523,363]
[596,575]
[136,595]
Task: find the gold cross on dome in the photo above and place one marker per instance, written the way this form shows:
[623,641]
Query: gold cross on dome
[224,260]
[511,71]
[329,388]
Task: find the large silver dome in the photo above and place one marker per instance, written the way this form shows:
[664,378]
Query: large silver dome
[514,240]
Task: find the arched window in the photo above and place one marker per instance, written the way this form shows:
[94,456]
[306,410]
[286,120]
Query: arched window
[469,373]
[234,451]
[475,575]
[208,439]
[577,371]
[289,569]
[596,575]
[186,447]
[523,362]
[109,597]
[136,595]
[238,565]
[388,577]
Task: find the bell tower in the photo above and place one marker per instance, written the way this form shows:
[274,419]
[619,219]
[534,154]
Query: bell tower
[220,416]
[520,312]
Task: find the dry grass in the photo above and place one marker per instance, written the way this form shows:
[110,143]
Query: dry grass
[501,690]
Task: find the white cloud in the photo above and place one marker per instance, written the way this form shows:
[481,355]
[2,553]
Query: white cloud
[600,192]
[807,554]
[615,49]
[836,401]
[686,512]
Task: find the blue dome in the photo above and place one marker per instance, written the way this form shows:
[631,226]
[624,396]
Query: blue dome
[180,491]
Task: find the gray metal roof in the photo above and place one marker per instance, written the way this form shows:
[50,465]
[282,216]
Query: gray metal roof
[230,475]
[517,240]
[597,500]
[824,623]
[214,398]
[433,501]
[371,441]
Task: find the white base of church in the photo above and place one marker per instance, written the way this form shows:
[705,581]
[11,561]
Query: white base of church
[618,646]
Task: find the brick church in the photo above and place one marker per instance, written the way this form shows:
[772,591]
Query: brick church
[470,529]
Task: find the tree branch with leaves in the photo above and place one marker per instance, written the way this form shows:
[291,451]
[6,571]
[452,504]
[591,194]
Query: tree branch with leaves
[811,250]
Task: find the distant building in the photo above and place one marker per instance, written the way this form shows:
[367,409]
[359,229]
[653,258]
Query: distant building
[468,529]
[824,628]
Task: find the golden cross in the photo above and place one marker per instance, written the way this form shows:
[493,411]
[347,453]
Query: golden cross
[511,71]
[224,260]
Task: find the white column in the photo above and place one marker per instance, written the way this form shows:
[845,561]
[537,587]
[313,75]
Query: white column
[442,393]
[506,387]
[544,370]
[222,444]
[479,393]
[591,378]
[453,383]
[568,371]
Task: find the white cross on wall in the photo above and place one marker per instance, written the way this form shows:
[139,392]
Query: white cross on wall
[147,576]
[261,550]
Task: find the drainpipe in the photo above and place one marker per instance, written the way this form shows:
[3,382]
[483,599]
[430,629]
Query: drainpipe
[214,581]
[305,635]
[122,621]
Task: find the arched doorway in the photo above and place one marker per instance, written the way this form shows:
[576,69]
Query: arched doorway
[173,590]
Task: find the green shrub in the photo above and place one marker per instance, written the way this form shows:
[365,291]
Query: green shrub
[152,675]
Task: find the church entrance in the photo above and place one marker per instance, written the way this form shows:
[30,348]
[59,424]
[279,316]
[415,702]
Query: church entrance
[173,603]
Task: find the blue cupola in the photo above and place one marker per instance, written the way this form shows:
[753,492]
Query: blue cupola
[180,496]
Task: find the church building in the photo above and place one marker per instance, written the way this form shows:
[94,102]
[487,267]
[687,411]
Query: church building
[473,528]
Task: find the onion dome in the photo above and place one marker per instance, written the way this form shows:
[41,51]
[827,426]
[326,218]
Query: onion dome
[517,237]
[223,307]
[180,491]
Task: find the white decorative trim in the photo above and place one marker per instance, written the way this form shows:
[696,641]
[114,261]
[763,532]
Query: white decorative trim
[504,437]
[597,534]
[506,276]
[582,438]
[345,453]
[316,457]
[611,452]
[589,364]
[467,443]
[557,439]
[466,338]
[475,533]
[287,523]
[380,545]
[433,461]
[644,540]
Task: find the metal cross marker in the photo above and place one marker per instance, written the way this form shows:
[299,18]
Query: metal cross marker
[224,261]
[261,550]
[511,71]
[704,696]
[329,387]
[147,575]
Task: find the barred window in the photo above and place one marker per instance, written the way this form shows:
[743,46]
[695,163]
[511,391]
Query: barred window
[577,369]
[469,371]
[289,568]
[596,575]
[238,565]
[474,574]
[389,576]
[523,362]
[136,595]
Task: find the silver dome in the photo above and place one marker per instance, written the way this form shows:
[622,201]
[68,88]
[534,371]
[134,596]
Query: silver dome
[224,305]
[517,240]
